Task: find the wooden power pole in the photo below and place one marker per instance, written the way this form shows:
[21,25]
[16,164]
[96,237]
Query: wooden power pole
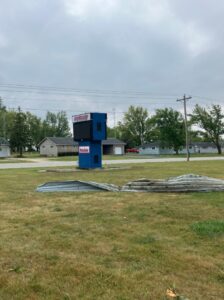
[184,99]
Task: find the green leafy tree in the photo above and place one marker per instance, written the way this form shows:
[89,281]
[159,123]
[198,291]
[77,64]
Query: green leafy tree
[3,113]
[20,132]
[56,125]
[211,120]
[170,126]
[9,121]
[134,129]
[34,130]
[62,127]
[113,132]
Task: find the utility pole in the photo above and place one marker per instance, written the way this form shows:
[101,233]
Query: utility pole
[115,133]
[3,109]
[184,99]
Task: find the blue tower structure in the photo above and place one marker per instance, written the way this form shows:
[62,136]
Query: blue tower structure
[89,130]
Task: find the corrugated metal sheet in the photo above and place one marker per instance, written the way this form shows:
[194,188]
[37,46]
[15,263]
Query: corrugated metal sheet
[75,186]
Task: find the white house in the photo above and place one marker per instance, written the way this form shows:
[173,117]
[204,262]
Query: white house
[4,148]
[58,146]
[155,148]
[61,146]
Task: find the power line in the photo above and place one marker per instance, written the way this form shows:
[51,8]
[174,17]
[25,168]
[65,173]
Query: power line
[66,110]
[75,90]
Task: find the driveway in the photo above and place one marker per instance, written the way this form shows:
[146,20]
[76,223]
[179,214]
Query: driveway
[48,164]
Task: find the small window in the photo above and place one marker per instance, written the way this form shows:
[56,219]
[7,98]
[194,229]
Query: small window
[99,126]
[43,146]
[52,146]
[153,148]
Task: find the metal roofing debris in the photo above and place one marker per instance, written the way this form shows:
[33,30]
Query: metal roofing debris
[184,183]
[76,186]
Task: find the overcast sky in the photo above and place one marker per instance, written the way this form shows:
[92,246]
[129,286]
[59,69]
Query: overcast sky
[110,54]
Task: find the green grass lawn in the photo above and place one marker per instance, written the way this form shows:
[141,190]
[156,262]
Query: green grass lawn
[104,245]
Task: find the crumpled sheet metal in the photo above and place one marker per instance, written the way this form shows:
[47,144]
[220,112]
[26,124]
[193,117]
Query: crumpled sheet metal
[184,183]
[76,186]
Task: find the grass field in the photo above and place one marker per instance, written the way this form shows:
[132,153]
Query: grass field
[110,245]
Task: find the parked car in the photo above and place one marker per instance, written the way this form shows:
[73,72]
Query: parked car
[132,150]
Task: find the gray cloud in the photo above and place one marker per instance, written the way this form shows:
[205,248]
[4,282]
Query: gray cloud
[165,48]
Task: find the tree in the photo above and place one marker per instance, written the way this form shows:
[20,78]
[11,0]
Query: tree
[62,128]
[170,125]
[20,132]
[212,122]
[111,132]
[2,119]
[134,128]
[34,130]
[56,125]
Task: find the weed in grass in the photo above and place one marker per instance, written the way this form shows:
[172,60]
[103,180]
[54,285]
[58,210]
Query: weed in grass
[57,209]
[211,228]
[70,215]
[17,269]
[67,297]
[220,277]
[145,240]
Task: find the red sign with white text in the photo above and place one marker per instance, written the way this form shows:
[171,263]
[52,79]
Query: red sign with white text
[84,149]
[81,118]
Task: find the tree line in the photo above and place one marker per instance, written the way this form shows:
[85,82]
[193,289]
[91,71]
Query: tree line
[167,126]
[26,130]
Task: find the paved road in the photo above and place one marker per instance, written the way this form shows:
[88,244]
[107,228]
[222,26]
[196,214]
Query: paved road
[47,164]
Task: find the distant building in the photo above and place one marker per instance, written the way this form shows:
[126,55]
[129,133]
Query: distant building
[155,148]
[58,146]
[62,146]
[4,148]
[113,146]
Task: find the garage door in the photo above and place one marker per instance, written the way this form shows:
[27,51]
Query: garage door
[118,150]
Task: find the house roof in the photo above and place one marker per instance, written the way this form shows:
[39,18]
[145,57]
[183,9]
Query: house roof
[204,144]
[69,141]
[152,144]
[4,142]
[195,144]
[113,141]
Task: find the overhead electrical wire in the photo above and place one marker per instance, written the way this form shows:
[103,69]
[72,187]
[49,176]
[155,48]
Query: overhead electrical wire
[67,95]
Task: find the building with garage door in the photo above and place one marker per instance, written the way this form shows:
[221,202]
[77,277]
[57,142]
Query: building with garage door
[62,146]
[113,146]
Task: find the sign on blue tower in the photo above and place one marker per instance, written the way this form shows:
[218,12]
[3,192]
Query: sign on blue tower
[89,130]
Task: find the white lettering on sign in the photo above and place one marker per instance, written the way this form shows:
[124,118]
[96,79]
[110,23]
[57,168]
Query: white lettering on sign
[84,149]
[80,118]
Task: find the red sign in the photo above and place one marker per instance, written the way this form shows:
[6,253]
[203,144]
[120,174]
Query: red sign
[81,118]
[84,149]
